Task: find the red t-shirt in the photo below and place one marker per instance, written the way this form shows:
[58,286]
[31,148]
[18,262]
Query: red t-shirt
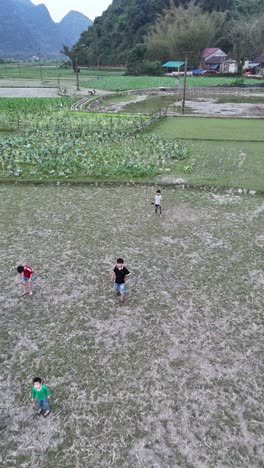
[27,271]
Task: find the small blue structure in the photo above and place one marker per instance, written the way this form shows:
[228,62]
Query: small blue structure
[174,67]
[173,64]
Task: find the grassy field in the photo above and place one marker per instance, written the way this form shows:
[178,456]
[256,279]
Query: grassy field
[105,79]
[47,71]
[223,164]
[172,378]
[241,99]
[221,152]
[194,128]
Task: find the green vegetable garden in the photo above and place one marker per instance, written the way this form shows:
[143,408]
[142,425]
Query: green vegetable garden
[43,140]
[125,83]
[49,141]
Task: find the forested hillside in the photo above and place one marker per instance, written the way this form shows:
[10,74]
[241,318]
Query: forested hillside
[126,23]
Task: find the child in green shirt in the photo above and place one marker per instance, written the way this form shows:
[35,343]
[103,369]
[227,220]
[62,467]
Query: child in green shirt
[40,393]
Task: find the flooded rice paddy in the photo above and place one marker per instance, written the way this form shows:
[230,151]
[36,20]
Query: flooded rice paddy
[172,378]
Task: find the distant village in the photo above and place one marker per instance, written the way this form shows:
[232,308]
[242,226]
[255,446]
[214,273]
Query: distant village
[215,61]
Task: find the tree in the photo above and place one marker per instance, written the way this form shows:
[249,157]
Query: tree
[69,53]
[126,23]
[183,30]
[246,37]
[247,8]
[216,5]
[135,59]
[120,28]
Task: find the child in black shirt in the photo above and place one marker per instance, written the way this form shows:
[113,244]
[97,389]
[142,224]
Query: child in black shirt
[119,276]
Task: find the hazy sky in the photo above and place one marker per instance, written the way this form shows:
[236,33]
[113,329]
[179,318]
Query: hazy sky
[59,8]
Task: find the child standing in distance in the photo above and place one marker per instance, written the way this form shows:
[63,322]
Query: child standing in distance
[25,273]
[119,276]
[40,393]
[157,202]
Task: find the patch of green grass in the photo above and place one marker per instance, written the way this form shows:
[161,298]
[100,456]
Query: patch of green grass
[212,128]
[117,100]
[241,99]
[204,81]
[221,152]
[49,71]
[225,164]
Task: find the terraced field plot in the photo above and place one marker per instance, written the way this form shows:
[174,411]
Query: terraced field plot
[173,378]
[222,152]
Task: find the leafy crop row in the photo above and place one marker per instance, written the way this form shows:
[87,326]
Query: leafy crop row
[125,83]
[36,105]
[66,144]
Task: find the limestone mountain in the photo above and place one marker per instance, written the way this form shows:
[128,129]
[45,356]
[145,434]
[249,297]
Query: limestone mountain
[27,29]
[72,25]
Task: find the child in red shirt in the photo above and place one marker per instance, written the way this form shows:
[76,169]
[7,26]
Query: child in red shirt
[25,273]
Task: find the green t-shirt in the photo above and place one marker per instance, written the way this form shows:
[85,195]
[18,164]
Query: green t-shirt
[41,394]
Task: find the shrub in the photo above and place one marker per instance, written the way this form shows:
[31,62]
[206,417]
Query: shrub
[151,68]
[238,82]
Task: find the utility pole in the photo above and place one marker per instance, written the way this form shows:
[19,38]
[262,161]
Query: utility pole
[58,75]
[184,85]
[77,73]
[40,68]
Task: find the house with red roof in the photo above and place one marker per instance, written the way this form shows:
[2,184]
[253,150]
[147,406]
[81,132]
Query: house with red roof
[216,60]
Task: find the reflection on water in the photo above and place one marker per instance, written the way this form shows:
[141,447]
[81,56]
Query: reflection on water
[151,104]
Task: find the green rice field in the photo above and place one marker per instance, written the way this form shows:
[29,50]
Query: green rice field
[194,128]
[221,152]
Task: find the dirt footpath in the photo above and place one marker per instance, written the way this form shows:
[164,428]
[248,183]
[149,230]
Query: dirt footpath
[28,92]
[33,88]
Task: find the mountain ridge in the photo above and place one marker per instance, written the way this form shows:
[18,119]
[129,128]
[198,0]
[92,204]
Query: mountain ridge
[28,29]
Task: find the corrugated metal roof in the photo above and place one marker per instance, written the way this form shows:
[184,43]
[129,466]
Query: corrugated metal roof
[209,51]
[173,64]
